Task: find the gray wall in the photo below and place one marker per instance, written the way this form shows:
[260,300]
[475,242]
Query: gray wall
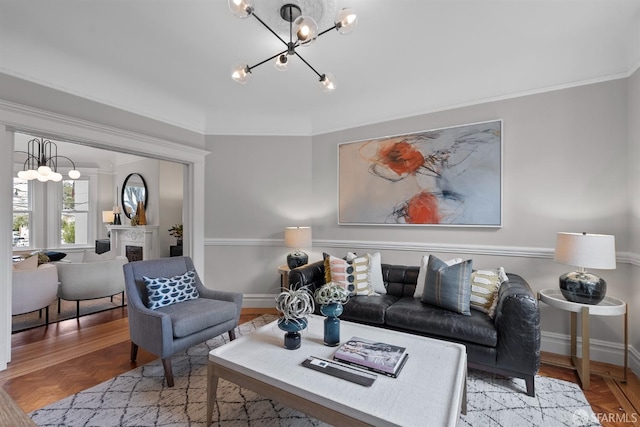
[565,169]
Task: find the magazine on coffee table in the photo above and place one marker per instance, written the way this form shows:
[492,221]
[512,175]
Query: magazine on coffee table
[375,356]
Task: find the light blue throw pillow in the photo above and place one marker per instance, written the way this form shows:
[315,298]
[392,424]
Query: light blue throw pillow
[163,291]
[448,286]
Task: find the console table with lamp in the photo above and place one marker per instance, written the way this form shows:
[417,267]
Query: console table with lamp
[584,293]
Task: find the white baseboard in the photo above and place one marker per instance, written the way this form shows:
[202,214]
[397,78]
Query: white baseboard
[601,351]
[259,301]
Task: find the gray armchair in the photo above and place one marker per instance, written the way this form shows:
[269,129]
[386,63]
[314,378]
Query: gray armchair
[176,327]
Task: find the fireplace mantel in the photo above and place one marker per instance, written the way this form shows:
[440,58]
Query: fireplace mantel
[144,236]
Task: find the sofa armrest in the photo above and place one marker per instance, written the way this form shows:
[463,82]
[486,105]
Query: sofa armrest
[310,275]
[517,320]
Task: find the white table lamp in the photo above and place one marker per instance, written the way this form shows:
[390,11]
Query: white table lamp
[297,237]
[584,250]
[107,217]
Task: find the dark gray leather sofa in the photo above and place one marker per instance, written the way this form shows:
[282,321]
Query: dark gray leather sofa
[507,345]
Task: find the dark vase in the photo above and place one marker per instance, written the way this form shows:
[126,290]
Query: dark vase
[331,323]
[292,339]
[179,242]
[583,287]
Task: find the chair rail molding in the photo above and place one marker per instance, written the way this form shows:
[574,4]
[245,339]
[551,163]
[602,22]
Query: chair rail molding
[504,250]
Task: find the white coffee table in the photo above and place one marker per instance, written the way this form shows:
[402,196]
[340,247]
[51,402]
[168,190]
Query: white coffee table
[430,390]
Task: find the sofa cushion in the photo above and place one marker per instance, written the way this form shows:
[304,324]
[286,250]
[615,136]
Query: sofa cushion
[351,273]
[91,256]
[376,282]
[448,286]
[55,256]
[411,314]
[30,263]
[484,289]
[422,274]
[164,291]
[368,309]
[195,315]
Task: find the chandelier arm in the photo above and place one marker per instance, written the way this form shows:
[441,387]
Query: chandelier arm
[64,157]
[267,60]
[327,30]
[269,28]
[309,65]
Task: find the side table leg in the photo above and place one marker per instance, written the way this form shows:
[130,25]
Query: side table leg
[585,366]
[212,389]
[574,334]
[626,343]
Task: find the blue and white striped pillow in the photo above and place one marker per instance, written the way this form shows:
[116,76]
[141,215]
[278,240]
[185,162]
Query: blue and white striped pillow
[163,292]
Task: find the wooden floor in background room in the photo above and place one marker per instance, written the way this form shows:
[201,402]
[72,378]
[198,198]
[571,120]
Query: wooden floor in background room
[49,364]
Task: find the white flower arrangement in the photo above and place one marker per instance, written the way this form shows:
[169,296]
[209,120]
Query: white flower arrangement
[331,292]
[295,304]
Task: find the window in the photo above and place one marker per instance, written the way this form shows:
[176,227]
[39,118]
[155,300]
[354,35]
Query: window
[21,212]
[74,215]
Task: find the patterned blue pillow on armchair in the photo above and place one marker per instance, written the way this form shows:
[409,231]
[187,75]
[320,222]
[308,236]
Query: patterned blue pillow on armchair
[163,291]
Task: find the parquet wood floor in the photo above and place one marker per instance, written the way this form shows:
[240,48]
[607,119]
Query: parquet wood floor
[51,363]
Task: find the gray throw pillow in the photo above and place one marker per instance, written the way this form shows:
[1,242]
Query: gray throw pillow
[448,286]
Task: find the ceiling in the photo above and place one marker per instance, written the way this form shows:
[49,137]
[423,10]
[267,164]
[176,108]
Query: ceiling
[170,59]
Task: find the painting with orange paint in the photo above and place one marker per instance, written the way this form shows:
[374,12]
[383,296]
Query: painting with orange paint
[448,176]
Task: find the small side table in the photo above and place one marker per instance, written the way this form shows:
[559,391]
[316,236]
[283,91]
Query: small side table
[284,276]
[610,306]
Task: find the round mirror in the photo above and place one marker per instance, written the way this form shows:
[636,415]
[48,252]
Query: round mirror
[134,190]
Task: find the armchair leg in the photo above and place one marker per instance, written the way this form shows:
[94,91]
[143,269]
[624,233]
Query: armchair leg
[529,381]
[134,351]
[232,334]
[46,315]
[78,309]
[168,372]
[58,305]
[123,298]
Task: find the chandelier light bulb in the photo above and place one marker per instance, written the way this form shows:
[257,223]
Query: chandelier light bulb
[240,73]
[346,21]
[74,174]
[42,178]
[306,30]
[44,170]
[22,175]
[282,62]
[328,82]
[241,8]
[56,177]
[32,174]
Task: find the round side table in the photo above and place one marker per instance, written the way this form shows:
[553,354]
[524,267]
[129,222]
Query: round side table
[610,306]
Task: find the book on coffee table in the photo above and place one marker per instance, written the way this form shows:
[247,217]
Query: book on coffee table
[375,356]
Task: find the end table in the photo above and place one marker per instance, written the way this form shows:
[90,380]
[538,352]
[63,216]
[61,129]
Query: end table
[610,306]
[284,276]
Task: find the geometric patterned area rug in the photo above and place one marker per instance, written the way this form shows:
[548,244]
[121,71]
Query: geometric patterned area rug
[140,398]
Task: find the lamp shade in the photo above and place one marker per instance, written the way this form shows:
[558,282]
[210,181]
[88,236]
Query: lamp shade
[107,216]
[297,237]
[586,250]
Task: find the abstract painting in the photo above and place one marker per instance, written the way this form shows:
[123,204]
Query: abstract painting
[450,176]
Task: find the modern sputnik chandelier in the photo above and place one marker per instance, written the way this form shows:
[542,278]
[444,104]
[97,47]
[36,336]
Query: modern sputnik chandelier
[303,31]
[42,162]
